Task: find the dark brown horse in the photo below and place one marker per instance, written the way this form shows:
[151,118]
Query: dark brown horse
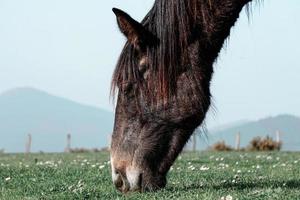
[162,82]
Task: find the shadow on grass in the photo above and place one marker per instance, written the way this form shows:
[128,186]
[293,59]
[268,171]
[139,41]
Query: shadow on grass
[290,184]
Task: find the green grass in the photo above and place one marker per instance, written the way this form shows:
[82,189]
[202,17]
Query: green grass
[200,175]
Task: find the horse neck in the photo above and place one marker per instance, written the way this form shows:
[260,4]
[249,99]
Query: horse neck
[215,18]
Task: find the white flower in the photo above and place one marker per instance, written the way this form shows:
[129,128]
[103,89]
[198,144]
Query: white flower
[228,197]
[284,184]
[191,166]
[101,166]
[70,187]
[269,158]
[7,179]
[204,168]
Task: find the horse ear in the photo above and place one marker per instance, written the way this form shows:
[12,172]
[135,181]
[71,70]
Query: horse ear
[132,29]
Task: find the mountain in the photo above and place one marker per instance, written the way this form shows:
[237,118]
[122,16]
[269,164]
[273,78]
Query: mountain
[229,125]
[49,119]
[287,125]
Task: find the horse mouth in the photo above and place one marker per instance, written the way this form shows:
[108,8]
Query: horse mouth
[126,184]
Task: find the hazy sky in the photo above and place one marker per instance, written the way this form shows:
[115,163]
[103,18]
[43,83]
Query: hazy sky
[69,48]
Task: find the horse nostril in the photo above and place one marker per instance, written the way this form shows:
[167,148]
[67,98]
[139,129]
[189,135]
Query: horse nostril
[127,179]
[119,184]
[140,180]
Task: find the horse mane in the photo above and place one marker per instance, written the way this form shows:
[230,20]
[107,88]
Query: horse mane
[174,23]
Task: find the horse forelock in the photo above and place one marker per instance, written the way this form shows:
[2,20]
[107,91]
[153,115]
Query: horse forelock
[172,23]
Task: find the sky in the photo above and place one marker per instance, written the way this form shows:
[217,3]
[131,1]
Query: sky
[69,48]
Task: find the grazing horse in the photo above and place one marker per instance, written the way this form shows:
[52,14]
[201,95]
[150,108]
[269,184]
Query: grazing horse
[162,82]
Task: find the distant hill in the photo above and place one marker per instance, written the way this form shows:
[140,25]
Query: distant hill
[49,119]
[288,125]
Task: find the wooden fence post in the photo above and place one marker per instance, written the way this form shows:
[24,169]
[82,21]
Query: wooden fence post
[28,144]
[238,141]
[278,136]
[109,137]
[68,147]
[194,142]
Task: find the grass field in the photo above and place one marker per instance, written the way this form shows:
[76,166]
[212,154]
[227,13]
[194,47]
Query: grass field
[202,175]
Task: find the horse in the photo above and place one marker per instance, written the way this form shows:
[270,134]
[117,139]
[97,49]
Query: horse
[162,84]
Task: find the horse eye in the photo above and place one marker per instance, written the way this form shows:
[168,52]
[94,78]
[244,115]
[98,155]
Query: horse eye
[126,87]
[143,65]
[142,69]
